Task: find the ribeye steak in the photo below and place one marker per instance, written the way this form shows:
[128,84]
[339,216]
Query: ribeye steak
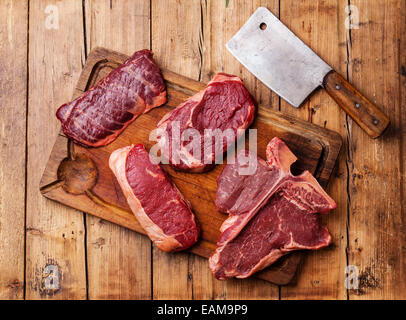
[98,116]
[224,107]
[156,202]
[270,212]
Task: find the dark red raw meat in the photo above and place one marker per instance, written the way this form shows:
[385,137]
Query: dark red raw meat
[156,202]
[271,213]
[225,104]
[98,116]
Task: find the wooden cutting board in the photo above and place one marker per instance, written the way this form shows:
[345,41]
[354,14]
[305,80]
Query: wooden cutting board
[80,177]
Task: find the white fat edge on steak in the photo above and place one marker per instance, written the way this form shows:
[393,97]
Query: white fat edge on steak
[117,163]
[306,180]
[194,164]
[242,222]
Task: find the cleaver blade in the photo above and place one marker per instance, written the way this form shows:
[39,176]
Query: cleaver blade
[286,65]
[269,50]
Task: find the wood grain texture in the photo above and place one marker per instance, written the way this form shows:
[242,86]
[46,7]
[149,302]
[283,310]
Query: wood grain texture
[368,184]
[80,177]
[177,47]
[119,260]
[400,292]
[13,97]
[321,26]
[216,58]
[377,233]
[55,251]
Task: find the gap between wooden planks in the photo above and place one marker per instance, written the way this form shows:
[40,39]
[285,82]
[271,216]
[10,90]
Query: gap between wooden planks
[198,59]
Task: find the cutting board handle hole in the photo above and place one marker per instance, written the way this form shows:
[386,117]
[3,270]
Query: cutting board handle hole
[263,26]
[78,175]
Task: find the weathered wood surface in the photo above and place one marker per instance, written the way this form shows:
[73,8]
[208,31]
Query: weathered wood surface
[80,177]
[321,26]
[214,57]
[55,235]
[369,183]
[375,167]
[123,26]
[13,97]
[177,47]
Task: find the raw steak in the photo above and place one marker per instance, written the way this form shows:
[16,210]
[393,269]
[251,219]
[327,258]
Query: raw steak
[98,116]
[156,202]
[224,107]
[271,213]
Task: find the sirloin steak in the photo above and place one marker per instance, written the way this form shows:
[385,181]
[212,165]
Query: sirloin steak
[187,134]
[98,116]
[156,202]
[271,213]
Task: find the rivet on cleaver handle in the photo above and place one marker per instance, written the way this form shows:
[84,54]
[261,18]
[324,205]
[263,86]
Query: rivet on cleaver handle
[359,108]
[285,64]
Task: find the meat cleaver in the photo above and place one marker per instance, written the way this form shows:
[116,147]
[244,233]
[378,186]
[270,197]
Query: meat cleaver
[267,48]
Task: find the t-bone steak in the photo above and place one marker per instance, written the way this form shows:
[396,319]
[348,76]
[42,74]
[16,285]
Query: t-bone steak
[271,213]
[187,134]
[98,116]
[156,202]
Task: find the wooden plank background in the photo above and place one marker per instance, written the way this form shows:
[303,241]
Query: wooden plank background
[48,251]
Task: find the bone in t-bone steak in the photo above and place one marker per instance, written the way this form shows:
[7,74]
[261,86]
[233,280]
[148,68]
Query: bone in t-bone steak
[98,116]
[224,106]
[156,202]
[271,213]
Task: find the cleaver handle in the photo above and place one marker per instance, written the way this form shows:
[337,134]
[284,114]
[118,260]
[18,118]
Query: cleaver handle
[368,116]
